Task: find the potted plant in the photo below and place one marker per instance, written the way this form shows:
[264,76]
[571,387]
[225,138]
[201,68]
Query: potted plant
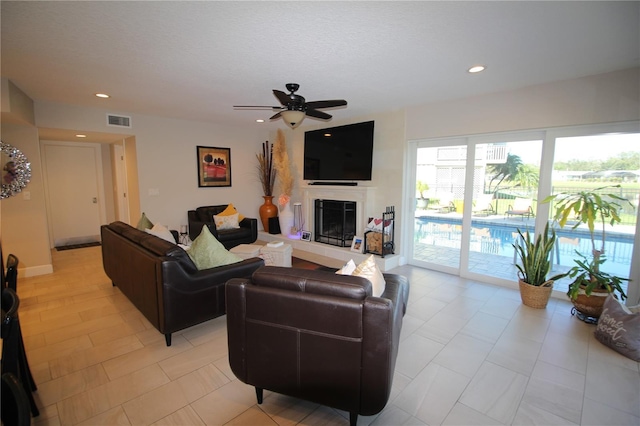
[422,202]
[590,208]
[535,287]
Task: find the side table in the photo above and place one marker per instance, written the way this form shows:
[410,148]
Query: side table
[277,256]
[246,251]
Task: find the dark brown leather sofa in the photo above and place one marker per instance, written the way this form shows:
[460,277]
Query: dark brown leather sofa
[317,336]
[161,280]
[246,234]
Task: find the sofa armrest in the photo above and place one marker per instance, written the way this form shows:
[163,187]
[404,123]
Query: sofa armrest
[397,290]
[186,299]
[176,277]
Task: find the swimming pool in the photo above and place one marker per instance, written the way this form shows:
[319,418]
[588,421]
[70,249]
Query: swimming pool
[497,236]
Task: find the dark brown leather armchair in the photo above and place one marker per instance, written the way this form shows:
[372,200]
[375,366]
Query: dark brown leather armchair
[246,234]
[317,336]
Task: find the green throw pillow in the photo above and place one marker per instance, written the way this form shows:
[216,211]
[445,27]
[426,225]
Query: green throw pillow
[207,252]
[144,223]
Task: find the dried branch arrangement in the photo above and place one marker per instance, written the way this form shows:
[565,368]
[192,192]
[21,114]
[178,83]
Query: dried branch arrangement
[266,173]
[282,166]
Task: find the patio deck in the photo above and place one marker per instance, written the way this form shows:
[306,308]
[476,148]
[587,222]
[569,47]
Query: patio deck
[483,257]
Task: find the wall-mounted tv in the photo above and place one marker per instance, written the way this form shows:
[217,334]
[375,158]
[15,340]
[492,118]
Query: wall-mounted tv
[343,153]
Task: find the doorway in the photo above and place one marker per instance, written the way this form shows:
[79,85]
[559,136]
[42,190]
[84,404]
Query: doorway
[74,191]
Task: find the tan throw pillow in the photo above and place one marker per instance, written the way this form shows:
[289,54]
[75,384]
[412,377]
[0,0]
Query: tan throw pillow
[229,211]
[207,252]
[619,329]
[370,271]
[162,232]
[144,223]
[226,222]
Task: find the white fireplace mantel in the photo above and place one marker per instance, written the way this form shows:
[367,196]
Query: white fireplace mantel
[362,195]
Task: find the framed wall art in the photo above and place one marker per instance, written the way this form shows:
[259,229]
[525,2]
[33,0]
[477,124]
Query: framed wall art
[214,166]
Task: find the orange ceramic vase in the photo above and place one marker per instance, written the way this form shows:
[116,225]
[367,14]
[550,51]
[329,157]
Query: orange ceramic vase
[267,210]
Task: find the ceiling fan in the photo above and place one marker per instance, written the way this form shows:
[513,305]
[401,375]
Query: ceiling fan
[294,108]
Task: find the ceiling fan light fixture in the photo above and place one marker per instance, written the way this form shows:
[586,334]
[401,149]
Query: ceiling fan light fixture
[292,118]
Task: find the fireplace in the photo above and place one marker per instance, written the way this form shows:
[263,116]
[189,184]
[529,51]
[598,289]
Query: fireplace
[334,222]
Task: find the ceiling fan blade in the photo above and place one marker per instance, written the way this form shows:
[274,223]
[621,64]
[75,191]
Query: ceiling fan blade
[282,97]
[327,103]
[317,114]
[257,107]
[278,115]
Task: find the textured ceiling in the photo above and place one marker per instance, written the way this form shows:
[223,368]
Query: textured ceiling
[195,60]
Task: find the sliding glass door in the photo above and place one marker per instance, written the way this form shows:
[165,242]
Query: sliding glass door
[582,164]
[504,202]
[440,171]
[473,194]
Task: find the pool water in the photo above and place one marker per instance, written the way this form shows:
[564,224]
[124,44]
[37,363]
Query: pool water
[497,239]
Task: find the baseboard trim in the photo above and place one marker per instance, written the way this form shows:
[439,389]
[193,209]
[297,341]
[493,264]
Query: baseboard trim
[33,271]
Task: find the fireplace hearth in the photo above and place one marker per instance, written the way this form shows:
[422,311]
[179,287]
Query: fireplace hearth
[334,222]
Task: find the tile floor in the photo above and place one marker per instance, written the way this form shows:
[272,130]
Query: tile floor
[471,354]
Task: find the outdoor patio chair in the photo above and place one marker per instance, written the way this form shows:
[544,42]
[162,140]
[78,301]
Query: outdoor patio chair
[521,207]
[483,204]
[445,202]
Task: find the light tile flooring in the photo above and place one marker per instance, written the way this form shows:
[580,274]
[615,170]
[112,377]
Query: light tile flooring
[471,354]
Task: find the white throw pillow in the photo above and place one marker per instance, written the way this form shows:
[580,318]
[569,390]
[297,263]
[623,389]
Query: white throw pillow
[368,269]
[348,268]
[226,222]
[161,232]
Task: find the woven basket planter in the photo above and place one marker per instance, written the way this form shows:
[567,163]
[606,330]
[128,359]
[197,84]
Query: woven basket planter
[535,296]
[590,305]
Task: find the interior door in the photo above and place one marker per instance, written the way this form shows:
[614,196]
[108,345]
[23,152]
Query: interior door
[73,181]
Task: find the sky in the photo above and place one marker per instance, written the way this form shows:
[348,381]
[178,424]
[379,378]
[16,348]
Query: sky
[579,148]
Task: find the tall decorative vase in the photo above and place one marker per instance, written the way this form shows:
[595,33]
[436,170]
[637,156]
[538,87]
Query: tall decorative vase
[286,220]
[267,210]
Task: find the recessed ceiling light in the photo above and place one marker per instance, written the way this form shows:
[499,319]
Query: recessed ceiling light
[81,136]
[259,120]
[477,68]
[102,95]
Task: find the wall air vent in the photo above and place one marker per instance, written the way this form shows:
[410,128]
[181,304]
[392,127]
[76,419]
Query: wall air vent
[118,121]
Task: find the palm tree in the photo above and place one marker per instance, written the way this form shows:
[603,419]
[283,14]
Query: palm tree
[506,170]
[527,176]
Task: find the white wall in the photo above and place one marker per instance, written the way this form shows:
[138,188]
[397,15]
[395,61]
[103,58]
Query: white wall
[388,160]
[24,221]
[167,161]
[603,98]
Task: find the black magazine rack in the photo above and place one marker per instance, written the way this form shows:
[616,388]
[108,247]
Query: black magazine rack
[381,242]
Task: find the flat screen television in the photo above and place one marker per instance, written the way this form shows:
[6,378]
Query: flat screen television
[343,153]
